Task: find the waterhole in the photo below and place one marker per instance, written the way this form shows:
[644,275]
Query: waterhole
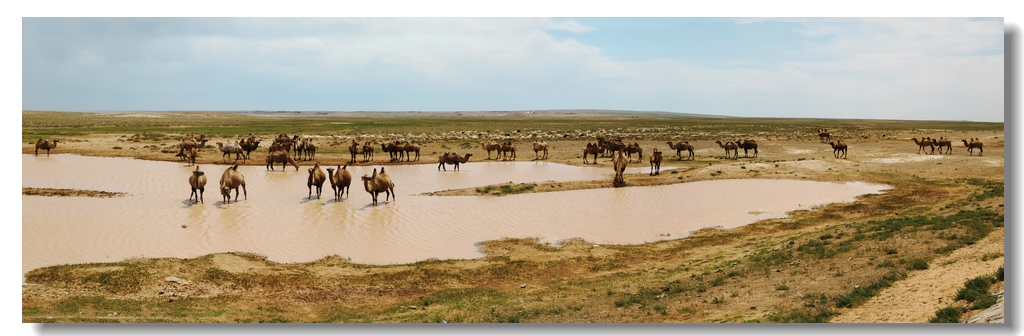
[279,221]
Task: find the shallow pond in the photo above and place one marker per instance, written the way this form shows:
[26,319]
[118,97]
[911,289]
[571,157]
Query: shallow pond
[279,221]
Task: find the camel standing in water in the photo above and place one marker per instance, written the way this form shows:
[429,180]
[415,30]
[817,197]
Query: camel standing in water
[619,164]
[591,149]
[540,147]
[656,162]
[198,182]
[316,178]
[837,148]
[232,179]
[379,183]
[340,181]
[729,146]
[45,144]
[452,159]
[975,143]
[925,142]
[281,156]
[680,147]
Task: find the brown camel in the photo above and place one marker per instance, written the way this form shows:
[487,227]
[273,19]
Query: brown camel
[729,146]
[309,150]
[680,147]
[612,146]
[619,164]
[379,183]
[230,148]
[507,148]
[232,179]
[634,148]
[192,143]
[316,178]
[540,147]
[838,147]
[975,143]
[192,154]
[198,182]
[340,181]
[280,156]
[393,150]
[591,149]
[824,135]
[45,144]
[925,142]
[655,162]
[248,146]
[747,145]
[410,148]
[944,142]
[490,147]
[452,159]
[367,152]
[353,149]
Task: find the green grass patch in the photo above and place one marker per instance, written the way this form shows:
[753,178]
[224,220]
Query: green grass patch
[860,294]
[948,315]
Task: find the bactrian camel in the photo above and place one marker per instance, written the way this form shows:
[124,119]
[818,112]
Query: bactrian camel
[367,152]
[353,149]
[680,147]
[452,159]
[316,178]
[410,148]
[824,135]
[944,143]
[45,144]
[925,142]
[975,143]
[379,183]
[747,145]
[540,147]
[230,148]
[232,179]
[340,181]
[507,149]
[620,161]
[729,146]
[634,148]
[280,156]
[490,147]
[655,162]
[838,147]
[591,149]
[198,182]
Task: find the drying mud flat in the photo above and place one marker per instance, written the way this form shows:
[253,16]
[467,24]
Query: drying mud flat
[789,236]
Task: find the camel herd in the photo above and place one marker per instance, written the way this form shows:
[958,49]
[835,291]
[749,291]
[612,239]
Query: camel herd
[340,179]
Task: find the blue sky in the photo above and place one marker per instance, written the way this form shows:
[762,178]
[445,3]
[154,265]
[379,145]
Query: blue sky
[887,68]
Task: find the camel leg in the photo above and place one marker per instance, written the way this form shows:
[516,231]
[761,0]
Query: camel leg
[201,195]
[245,193]
[193,194]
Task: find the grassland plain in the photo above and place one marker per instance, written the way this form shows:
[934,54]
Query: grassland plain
[944,216]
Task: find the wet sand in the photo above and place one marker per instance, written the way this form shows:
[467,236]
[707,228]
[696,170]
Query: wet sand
[279,221]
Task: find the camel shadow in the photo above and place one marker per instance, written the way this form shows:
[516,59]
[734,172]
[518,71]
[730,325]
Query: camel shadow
[370,205]
[187,204]
[308,199]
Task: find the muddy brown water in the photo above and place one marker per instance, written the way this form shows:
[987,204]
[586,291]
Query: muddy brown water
[278,221]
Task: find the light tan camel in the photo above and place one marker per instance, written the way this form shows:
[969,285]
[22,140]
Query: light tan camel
[316,178]
[452,159]
[198,182]
[340,181]
[944,142]
[838,147]
[232,179]
[280,156]
[824,135]
[729,146]
[192,154]
[354,150]
[634,148]
[540,147]
[655,162]
[192,143]
[309,150]
[367,152]
[45,144]
[507,148]
[410,148]
[619,164]
[925,142]
[379,183]
[975,143]
[746,145]
[680,147]
[230,148]
[591,149]
[490,147]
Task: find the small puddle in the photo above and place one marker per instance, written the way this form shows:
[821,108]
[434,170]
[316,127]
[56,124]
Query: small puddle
[279,221]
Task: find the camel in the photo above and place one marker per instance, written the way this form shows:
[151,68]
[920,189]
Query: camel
[340,181]
[619,164]
[232,179]
[280,156]
[655,162]
[975,143]
[729,146]
[300,149]
[747,145]
[367,152]
[198,182]
[392,150]
[192,143]
[379,183]
[409,148]
[680,147]
[248,146]
[45,144]
[192,153]
[452,159]
[824,135]
[309,149]
[230,148]
[353,149]
[489,147]
[838,147]
[540,147]
[591,149]
[507,148]
[316,178]
[634,148]
[925,142]
[943,142]
[611,146]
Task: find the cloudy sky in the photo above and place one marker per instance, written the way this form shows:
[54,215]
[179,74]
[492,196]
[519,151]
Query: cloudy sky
[887,68]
